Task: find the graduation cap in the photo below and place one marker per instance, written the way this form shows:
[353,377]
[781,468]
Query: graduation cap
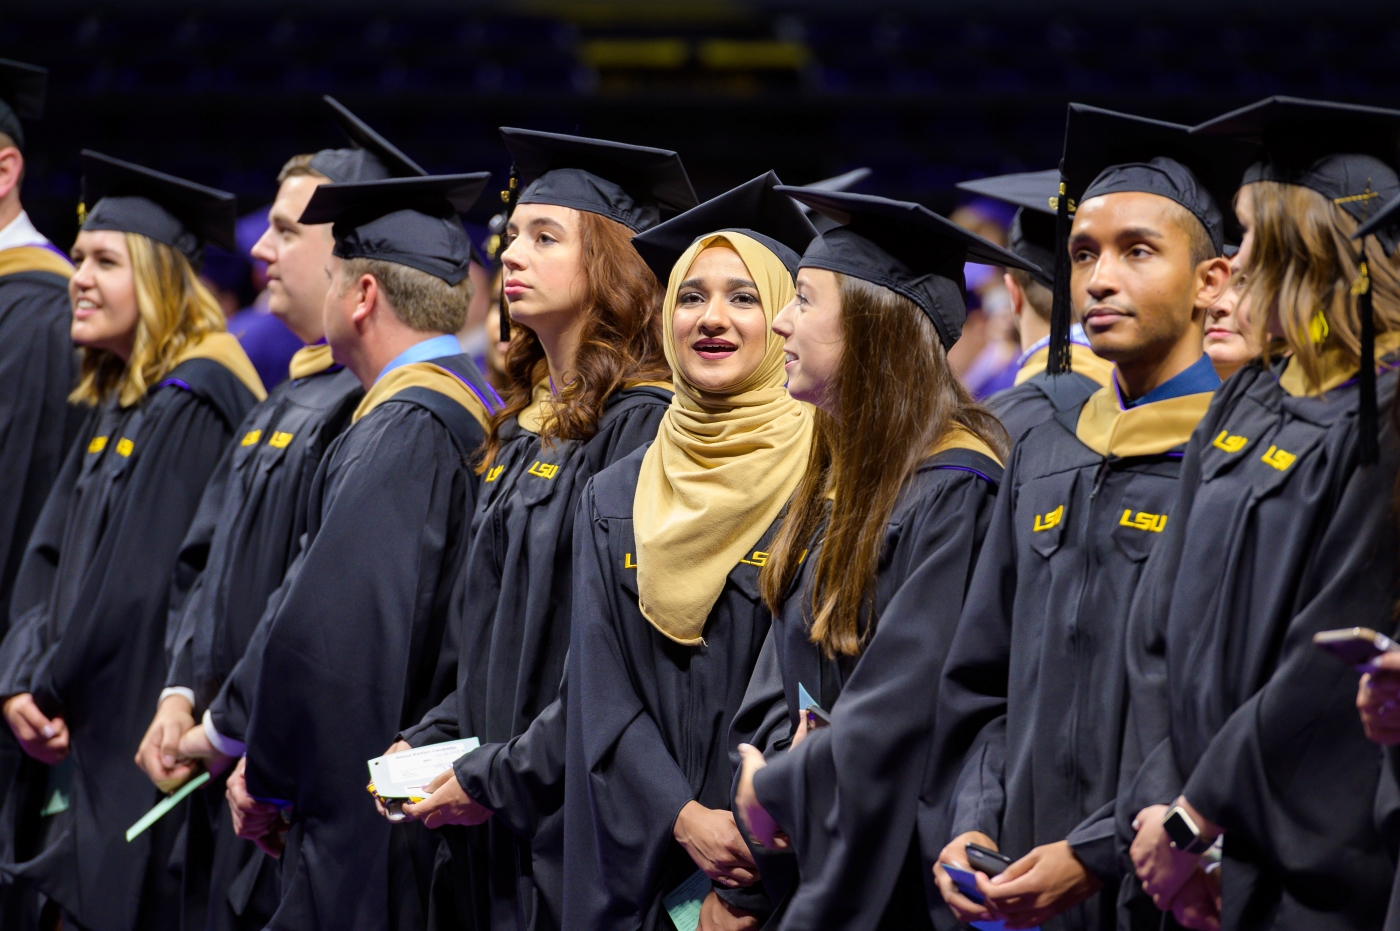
[170,210]
[842,182]
[904,247]
[1110,153]
[632,184]
[408,221]
[1348,154]
[754,208]
[1032,234]
[372,157]
[22,90]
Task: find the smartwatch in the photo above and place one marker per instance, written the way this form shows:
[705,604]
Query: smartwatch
[1183,833]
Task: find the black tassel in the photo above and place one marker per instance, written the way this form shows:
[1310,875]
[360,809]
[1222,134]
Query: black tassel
[1366,378]
[1061,356]
[511,195]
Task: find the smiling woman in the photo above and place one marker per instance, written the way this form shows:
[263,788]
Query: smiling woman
[719,327]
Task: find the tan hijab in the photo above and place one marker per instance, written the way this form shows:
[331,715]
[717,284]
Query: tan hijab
[722,467]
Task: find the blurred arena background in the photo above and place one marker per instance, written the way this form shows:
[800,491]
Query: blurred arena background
[925,94]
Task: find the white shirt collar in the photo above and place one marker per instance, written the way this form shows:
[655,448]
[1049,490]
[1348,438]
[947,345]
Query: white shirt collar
[20,232]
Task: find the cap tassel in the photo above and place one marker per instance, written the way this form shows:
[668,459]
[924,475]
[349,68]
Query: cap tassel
[1061,357]
[1366,378]
[511,195]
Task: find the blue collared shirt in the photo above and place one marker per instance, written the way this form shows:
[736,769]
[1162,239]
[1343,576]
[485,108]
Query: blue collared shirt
[426,351]
[1195,378]
[1076,336]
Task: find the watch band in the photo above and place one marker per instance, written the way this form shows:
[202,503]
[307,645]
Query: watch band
[1183,833]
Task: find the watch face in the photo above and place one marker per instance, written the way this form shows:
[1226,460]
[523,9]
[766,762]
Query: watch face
[1179,830]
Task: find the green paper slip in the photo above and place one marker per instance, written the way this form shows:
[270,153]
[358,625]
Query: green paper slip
[683,902]
[164,805]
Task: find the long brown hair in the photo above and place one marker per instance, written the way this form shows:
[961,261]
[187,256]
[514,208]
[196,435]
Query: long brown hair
[174,310]
[895,397]
[621,340]
[1301,271]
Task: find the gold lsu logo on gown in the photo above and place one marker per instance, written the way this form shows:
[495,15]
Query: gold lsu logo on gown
[1230,444]
[1278,458]
[494,473]
[757,558]
[1154,523]
[545,470]
[1049,521]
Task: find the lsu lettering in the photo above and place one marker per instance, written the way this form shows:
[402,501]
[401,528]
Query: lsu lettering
[494,473]
[1231,444]
[1278,458]
[1048,521]
[546,470]
[124,447]
[757,558]
[627,562]
[251,437]
[1143,521]
[279,440]
[98,444]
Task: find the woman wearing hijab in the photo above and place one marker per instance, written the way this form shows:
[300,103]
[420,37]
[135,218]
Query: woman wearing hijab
[667,615]
[84,659]
[867,577]
[587,386]
[1282,528]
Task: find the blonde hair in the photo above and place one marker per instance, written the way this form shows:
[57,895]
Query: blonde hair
[422,301]
[1301,271]
[174,311]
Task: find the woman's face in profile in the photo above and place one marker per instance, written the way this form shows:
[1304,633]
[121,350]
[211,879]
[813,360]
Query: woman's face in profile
[103,293]
[812,337]
[720,331]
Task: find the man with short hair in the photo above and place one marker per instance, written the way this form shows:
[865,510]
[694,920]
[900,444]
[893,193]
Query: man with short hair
[247,531]
[349,653]
[1033,699]
[1031,400]
[37,371]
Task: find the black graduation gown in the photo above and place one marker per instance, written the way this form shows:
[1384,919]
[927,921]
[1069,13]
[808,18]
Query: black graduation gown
[1035,400]
[1277,533]
[349,655]
[647,718]
[848,795]
[37,426]
[236,553]
[1033,698]
[511,624]
[88,631]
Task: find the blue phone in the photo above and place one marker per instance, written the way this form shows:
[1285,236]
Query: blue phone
[966,881]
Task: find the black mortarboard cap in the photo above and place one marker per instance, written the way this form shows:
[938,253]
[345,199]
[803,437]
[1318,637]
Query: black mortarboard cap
[635,185]
[1032,234]
[408,221]
[904,247]
[842,182]
[754,208]
[22,90]
[131,199]
[372,157]
[1346,152]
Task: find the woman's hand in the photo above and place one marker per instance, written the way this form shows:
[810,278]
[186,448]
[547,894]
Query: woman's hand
[718,915]
[159,753]
[259,822]
[1162,868]
[964,908]
[42,737]
[195,745]
[398,746]
[712,839]
[449,803]
[755,818]
[1197,903]
[1042,884]
[1378,700]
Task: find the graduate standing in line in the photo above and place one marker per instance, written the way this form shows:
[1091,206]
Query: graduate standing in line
[1034,694]
[1282,528]
[589,384]
[37,370]
[247,531]
[84,659]
[867,577]
[349,655]
[668,617]
[1032,399]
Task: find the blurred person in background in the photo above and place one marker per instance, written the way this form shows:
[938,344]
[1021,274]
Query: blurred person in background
[984,356]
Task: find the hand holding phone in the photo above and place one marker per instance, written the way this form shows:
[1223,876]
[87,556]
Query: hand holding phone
[1356,646]
[986,860]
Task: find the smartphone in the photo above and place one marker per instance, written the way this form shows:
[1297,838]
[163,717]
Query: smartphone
[986,860]
[966,881]
[816,718]
[1355,646]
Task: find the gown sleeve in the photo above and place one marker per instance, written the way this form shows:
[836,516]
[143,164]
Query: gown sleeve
[850,792]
